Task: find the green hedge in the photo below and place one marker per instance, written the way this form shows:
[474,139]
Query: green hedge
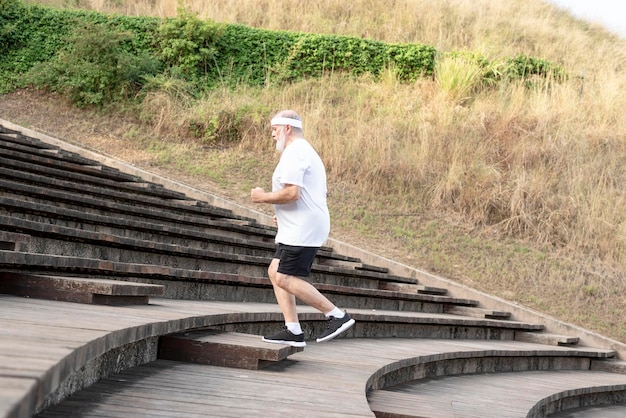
[258,56]
[199,51]
[32,35]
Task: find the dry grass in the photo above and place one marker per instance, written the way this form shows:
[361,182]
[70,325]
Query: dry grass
[515,191]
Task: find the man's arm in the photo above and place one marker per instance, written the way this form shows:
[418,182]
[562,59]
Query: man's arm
[289,193]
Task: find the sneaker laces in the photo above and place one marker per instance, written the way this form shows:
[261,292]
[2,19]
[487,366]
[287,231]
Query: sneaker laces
[330,321]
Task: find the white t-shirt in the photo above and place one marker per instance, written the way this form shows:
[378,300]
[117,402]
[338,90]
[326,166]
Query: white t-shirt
[306,221]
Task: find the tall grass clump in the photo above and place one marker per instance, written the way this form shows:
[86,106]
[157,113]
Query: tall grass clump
[458,76]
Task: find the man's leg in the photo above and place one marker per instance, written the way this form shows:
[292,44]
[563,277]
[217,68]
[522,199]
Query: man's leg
[301,289]
[291,333]
[289,287]
[286,301]
[338,321]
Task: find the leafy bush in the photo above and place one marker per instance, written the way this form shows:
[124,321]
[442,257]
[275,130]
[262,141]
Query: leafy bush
[10,10]
[412,60]
[95,69]
[33,35]
[523,66]
[187,44]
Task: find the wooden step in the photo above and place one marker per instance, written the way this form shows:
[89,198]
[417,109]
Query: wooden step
[511,394]
[81,243]
[80,290]
[609,365]
[413,288]
[49,189]
[227,349]
[12,241]
[370,267]
[546,338]
[13,167]
[476,312]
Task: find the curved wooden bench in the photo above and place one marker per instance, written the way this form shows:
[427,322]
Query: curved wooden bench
[59,347]
[330,379]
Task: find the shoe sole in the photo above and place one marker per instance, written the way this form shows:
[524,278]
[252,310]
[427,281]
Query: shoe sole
[284,342]
[341,329]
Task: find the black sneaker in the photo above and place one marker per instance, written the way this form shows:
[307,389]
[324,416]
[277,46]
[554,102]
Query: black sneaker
[286,337]
[335,327]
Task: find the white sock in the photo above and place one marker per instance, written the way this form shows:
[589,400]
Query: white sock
[294,327]
[337,313]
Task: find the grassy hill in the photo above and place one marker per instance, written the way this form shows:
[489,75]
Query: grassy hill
[516,188]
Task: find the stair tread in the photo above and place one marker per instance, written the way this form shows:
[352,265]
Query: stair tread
[457,395]
[220,348]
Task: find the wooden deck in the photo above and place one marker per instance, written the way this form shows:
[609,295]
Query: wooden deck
[494,395]
[326,380]
[42,341]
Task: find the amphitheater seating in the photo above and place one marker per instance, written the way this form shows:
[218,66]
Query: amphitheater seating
[140,279]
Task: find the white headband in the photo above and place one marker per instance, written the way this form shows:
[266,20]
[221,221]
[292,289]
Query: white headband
[287,121]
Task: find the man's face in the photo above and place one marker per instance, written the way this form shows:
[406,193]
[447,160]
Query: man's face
[278,133]
[276,130]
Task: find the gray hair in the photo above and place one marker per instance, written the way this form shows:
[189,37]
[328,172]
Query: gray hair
[291,115]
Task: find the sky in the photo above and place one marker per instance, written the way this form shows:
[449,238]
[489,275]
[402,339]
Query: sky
[610,13]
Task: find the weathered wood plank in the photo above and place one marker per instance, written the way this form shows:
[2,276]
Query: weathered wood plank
[476,312]
[12,388]
[218,348]
[488,395]
[79,290]
[546,338]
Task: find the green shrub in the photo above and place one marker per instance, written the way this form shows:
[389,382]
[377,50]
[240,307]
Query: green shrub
[9,35]
[187,44]
[411,60]
[252,56]
[95,68]
[523,66]
[32,35]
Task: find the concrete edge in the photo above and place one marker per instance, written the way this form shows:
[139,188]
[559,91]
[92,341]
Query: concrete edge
[519,313]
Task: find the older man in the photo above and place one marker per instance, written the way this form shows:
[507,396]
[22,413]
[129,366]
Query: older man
[299,198]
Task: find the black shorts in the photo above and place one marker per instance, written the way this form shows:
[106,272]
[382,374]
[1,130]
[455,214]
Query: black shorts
[295,261]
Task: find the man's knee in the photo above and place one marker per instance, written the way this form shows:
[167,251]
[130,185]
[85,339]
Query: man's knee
[281,280]
[272,270]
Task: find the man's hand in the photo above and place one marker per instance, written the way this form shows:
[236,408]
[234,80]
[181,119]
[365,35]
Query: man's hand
[287,194]
[257,195]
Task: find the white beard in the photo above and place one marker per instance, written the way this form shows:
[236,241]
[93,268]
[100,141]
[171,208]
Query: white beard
[280,143]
